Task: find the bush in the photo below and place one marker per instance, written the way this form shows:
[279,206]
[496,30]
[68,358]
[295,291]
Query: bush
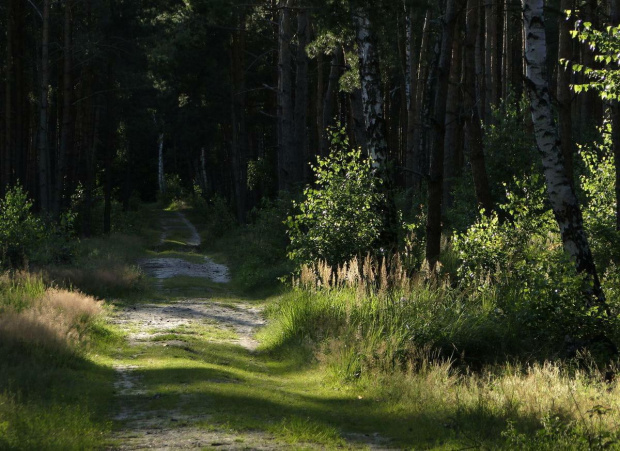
[341,217]
[174,190]
[597,183]
[20,230]
[215,216]
[521,260]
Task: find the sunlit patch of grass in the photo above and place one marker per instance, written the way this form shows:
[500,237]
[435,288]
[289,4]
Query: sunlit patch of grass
[297,429]
[52,393]
[59,319]
[35,425]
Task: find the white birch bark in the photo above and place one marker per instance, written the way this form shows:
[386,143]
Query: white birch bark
[372,97]
[561,194]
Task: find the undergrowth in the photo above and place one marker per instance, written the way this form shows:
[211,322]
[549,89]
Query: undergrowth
[445,354]
[52,396]
[256,251]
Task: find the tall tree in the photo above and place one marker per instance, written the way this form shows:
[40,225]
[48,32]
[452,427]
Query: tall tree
[435,183]
[472,118]
[372,95]
[301,90]
[564,95]
[43,143]
[67,97]
[329,98]
[559,188]
[286,126]
[238,122]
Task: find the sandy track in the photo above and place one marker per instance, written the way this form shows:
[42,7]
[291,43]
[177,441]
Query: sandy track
[146,323]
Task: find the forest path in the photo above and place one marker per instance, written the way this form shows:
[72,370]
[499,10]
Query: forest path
[154,411]
[190,375]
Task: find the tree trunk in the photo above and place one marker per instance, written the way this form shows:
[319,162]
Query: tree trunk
[320,93]
[5,162]
[239,129]
[419,165]
[107,181]
[66,111]
[452,144]
[561,193]
[301,95]
[414,54]
[435,184]
[329,99]
[490,52]
[472,118]
[372,96]
[43,145]
[91,158]
[286,137]
[161,178]
[480,66]
[564,94]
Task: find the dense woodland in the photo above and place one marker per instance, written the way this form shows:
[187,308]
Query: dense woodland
[109,103]
[240,96]
[420,198]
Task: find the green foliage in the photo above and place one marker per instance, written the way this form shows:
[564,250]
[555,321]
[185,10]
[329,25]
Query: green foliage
[261,174]
[510,150]
[174,190]
[256,251]
[20,229]
[217,218]
[340,217]
[599,213]
[605,44]
[510,155]
[521,259]
[558,433]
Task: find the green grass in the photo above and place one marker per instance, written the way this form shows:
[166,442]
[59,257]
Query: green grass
[336,369]
[56,398]
[59,394]
[255,253]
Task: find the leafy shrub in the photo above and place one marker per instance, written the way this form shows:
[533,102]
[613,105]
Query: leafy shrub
[217,216]
[340,217]
[20,229]
[510,154]
[510,150]
[174,190]
[256,251]
[599,214]
[522,261]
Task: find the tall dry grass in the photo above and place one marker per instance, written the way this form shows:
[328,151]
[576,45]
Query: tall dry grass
[58,319]
[441,353]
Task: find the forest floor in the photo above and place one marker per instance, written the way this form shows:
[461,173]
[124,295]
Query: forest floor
[190,377]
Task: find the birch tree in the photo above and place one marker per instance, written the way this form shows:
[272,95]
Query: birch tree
[372,96]
[560,191]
